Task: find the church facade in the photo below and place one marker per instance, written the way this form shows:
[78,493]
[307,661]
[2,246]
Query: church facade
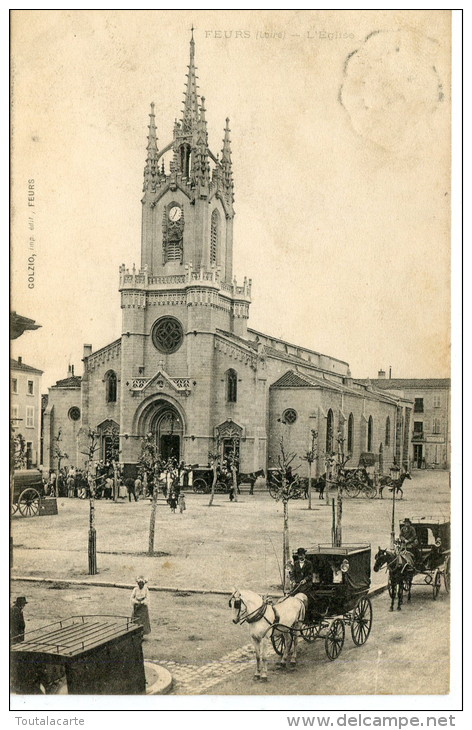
[187,368]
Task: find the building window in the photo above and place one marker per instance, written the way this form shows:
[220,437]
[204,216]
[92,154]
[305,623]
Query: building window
[30,387]
[167,335]
[436,401]
[370,434]
[387,431]
[350,434]
[289,416]
[231,386]
[436,425]
[110,387]
[74,413]
[29,416]
[14,385]
[418,407]
[214,235]
[330,432]
[15,414]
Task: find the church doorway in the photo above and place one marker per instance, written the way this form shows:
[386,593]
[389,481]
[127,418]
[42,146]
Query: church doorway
[167,428]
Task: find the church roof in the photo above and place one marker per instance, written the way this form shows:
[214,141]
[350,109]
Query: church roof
[408,383]
[19,324]
[290,379]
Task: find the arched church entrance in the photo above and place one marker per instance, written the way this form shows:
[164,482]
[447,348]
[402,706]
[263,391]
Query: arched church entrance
[168,430]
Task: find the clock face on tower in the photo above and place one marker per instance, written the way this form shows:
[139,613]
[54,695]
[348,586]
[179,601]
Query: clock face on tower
[175,213]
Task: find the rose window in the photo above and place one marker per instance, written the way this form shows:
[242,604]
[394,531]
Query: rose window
[167,335]
[290,416]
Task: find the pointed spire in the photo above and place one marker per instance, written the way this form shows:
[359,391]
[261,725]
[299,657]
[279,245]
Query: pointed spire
[226,165]
[151,169]
[226,151]
[190,113]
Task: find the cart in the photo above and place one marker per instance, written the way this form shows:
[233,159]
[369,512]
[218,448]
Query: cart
[27,492]
[203,479]
[433,554]
[83,655]
[337,599]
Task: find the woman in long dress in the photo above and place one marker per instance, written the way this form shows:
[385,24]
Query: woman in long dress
[140,604]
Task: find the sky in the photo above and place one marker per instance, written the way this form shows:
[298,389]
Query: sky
[340,126]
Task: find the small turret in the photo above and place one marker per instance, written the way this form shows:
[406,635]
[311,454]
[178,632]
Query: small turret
[151,170]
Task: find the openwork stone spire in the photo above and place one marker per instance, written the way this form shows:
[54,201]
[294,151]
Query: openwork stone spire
[190,113]
[226,164]
[151,170]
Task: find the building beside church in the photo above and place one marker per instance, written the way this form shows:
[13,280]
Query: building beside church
[187,368]
[25,408]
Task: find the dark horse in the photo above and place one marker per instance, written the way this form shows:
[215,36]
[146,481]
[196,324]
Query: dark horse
[400,574]
[393,484]
[250,478]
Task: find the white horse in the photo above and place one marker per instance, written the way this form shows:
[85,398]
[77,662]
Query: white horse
[260,616]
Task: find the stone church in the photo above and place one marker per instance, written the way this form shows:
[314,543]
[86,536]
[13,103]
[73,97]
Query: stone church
[187,368]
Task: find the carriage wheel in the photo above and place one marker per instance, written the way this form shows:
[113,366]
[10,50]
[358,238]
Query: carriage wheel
[28,503]
[310,632]
[436,584]
[273,491]
[221,488]
[278,641]
[390,586]
[334,640]
[447,574]
[352,488]
[370,491]
[200,486]
[14,507]
[361,622]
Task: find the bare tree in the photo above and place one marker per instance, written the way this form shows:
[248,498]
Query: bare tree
[149,464]
[214,459]
[285,489]
[311,456]
[93,443]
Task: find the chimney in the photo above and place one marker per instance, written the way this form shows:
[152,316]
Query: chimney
[69,371]
[87,350]
[20,360]
[381,375]
[390,373]
[72,370]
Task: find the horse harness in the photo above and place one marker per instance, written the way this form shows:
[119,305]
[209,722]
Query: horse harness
[258,614]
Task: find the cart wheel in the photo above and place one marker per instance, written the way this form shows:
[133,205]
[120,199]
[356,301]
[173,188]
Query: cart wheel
[447,574]
[436,584]
[14,508]
[278,641]
[370,491]
[334,640]
[390,586]
[310,632]
[273,491]
[28,503]
[361,622]
[200,486]
[352,489]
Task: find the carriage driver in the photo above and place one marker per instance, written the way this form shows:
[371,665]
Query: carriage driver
[302,573]
[408,542]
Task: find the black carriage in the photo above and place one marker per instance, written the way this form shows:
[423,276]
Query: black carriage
[80,655]
[27,492]
[337,598]
[202,480]
[432,555]
[357,481]
[274,484]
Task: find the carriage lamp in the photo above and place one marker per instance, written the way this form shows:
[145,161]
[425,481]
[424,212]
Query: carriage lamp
[345,566]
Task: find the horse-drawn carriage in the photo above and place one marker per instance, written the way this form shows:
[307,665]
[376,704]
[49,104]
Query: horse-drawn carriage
[203,479]
[299,485]
[27,491]
[428,558]
[337,598]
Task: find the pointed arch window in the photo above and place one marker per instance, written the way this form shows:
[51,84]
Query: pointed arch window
[214,236]
[330,432]
[185,160]
[370,434]
[387,431]
[350,434]
[110,386]
[231,386]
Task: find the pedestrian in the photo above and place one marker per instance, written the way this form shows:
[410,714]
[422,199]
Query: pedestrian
[108,491]
[231,493]
[140,604]
[138,487]
[129,484]
[17,621]
[172,502]
[182,505]
[70,486]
